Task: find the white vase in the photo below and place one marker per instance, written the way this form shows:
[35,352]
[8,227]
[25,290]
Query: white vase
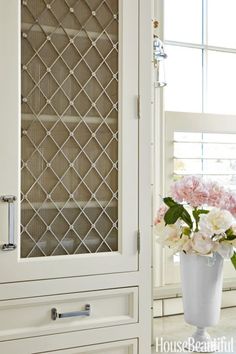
[202,279]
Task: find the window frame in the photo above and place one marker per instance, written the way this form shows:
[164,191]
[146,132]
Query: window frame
[166,271]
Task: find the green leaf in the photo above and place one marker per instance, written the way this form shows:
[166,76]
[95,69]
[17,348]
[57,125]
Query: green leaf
[198,212]
[169,202]
[187,218]
[229,232]
[233,260]
[230,237]
[196,215]
[173,214]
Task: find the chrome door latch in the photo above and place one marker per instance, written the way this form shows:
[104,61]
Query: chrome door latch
[85,313]
[159,57]
[10,199]
[158,50]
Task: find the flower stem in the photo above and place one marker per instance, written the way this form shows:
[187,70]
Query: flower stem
[233,260]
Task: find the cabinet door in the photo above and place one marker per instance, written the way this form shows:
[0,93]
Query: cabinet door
[69,146]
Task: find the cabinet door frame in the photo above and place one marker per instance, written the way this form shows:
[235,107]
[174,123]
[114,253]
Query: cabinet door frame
[126,258]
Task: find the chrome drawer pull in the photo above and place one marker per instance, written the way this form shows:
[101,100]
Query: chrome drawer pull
[10,199]
[85,313]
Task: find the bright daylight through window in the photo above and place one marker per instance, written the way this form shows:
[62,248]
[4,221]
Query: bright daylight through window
[199,106]
[204,83]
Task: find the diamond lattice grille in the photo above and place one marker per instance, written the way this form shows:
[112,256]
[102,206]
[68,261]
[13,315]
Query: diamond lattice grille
[69,127]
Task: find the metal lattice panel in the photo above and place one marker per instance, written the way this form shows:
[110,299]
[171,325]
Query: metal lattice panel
[69,127]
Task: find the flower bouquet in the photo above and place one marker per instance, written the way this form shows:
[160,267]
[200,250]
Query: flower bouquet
[197,220]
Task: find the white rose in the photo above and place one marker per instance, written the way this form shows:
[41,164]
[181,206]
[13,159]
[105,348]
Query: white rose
[202,244]
[177,243]
[233,228]
[216,222]
[170,235]
[188,246]
[226,249]
[233,242]
[159,228]
[167,232]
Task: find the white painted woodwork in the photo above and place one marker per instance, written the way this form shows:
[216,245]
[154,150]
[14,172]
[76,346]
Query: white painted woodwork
[174,306]
[69,285]
[29,287]
[73,339]
[126,258]
[157,308]
[126,347]
[145,165]
[108,308]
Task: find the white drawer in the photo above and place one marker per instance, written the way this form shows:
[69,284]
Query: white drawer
[122,347]
[33,316]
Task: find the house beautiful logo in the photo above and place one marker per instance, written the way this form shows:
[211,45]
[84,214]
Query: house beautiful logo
[220,344]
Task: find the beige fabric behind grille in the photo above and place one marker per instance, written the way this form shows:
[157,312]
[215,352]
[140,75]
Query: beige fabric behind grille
[69,127]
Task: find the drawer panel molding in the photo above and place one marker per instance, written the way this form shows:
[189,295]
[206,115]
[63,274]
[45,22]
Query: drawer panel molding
[121,347]
[33,316]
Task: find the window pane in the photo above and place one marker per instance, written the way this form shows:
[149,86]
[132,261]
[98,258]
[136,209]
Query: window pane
[221,23]
[219,150]
[204,166]
[187,166]
[184,79]
[206,154]
[213,166]
[186,136]
[187,150]
[221,78]
[183,20]
[220,138]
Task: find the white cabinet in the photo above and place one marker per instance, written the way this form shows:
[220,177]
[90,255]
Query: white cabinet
[72,141]
[75,196]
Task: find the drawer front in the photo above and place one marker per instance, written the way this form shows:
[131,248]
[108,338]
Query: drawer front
[45,315]
[122,347]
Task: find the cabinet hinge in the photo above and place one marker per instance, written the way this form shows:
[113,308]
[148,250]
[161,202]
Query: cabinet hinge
[138,241]
[138,107]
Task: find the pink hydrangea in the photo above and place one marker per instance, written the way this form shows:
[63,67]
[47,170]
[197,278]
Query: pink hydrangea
[191,190]
[222,198]
[160,214]
[216,194]
[197,192]
[228,202]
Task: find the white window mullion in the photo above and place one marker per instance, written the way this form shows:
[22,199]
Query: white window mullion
[204,53]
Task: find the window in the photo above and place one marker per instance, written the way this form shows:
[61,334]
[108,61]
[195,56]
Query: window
[199,105]
[200,144]
[201,45]
[206,154]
